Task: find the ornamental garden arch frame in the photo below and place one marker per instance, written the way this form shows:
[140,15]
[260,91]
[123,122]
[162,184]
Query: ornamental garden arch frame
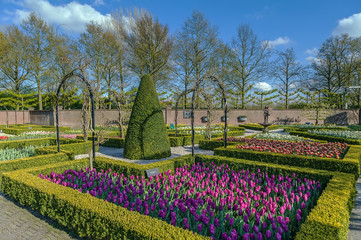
[63,80]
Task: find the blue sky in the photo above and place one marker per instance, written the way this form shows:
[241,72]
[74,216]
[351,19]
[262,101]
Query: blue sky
[301,24]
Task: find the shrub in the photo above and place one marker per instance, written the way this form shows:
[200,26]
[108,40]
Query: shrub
[129,169]
[22,163]
[146,134]
[70,149]
[258,127]
[113,142]
[176,141]
[212,144]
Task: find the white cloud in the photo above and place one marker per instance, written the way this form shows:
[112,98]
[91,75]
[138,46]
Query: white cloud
[98,2]
[262,86]
[312,52]
[278,41]
[350,25]
[72,17]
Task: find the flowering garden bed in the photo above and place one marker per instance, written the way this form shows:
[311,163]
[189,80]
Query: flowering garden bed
[210,200]
[96,218]
[304,148]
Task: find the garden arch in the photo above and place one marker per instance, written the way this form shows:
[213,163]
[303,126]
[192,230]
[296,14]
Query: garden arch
[63,80]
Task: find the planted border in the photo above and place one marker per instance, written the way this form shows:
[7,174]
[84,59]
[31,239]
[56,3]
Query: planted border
[34,142]
[349,164]
[329,219]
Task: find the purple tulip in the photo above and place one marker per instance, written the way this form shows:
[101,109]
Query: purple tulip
[246,236]
[246,227]
[224,236]
[234,234]
[216,222]
[278,236]
[212,229]
[268,234]
[231,221]
[199,227]
[259,236]
[299,217]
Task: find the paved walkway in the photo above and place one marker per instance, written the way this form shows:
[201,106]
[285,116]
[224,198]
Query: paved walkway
[17,222]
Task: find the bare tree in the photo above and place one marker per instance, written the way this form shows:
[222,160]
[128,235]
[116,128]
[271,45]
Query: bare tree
[41,36]
[251,61]
[148,44]
[14,59]
[288,72]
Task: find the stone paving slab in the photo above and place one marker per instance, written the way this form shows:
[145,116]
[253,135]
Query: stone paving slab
[17,222]
[354,229]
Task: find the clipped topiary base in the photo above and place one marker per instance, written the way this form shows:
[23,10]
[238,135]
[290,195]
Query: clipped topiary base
[147,136]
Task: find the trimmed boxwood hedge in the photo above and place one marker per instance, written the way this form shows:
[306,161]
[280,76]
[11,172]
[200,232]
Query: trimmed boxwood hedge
[147,136]
[329,219]
[212,144]
[255,126]
[18,131]
[89,216]
[326,138]
[34,142]
[300,129]
[22,163]
[350,163]
[70,149]
[129,169]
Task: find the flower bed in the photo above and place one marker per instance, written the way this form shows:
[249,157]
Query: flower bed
[210,200]
[4,138]
[278,136]
[304,148]
[14,153]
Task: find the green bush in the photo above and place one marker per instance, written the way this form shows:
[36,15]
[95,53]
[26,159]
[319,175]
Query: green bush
[258,127]
[18,131]
[70,149]
[350,164]
[113,142]
[34,142]
[129,169]
[146,134]
[176,141]
[90,217]
[212,144]
[22,163]
[326,138]
[229,134]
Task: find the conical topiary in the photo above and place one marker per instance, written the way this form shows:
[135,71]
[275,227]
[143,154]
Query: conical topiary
[147,136]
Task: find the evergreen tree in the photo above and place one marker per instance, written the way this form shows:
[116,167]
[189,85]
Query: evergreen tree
[147,136]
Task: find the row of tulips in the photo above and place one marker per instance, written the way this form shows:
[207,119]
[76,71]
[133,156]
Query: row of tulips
[208,199]
[4,138]
[305,148]
[338,133]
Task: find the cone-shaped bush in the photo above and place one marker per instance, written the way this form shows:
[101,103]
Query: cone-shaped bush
[147,136]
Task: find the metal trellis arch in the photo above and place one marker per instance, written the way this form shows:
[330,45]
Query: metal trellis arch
[63,80]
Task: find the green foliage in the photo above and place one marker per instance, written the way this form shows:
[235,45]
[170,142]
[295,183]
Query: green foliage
[212,144]
[176,141]
[265,98]
[146,135]
[20,130]
[129,169]
[114,142]
[22,163]
[256,126]
[349,164]
[71,149]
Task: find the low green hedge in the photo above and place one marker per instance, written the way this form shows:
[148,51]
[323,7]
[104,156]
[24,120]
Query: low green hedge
[229,134]
[258,127]
[129,169]
[34,142]
[22,163]
[329,219]
[326,138]
[18,131]
[305,129]
[90,217]
[176,141]
[187,138]
[113,142]
[350,163]
[212,144]
[70,149]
